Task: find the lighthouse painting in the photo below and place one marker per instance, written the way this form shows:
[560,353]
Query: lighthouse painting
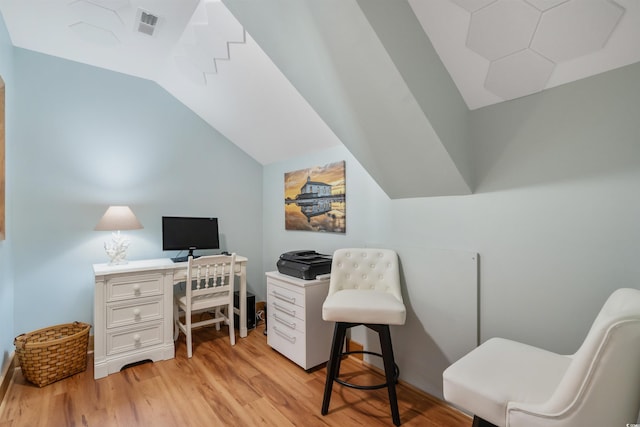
[314,199]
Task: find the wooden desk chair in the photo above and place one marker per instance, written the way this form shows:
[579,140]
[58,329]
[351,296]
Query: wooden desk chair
[209,288]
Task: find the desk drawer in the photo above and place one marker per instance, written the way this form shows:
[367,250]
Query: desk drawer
[285,295]
[286,322]
[283,308]
[127,339]
[134,311]
[289,342]
[133,286]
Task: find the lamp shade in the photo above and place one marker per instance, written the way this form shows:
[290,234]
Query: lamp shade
[118,218]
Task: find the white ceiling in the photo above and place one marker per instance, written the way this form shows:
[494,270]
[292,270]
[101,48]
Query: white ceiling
[240,93]
[494,50]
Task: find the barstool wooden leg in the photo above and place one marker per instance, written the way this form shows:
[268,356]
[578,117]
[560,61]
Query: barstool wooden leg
[389,370]
[333,366]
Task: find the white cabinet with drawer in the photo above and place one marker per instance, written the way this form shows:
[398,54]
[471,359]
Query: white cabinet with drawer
[294,325]
[133,317]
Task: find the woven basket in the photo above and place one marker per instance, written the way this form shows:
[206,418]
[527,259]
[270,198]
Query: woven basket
[51,354]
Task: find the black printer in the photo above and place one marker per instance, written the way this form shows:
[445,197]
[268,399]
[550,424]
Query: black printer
[304,264]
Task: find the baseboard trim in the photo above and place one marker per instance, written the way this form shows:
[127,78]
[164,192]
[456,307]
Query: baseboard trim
[7,376]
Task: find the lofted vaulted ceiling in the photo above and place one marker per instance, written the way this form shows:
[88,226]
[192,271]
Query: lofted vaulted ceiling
[392,80]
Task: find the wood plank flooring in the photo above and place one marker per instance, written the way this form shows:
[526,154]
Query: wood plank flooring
[249,384]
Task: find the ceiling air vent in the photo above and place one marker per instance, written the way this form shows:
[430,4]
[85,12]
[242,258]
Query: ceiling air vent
[146,22]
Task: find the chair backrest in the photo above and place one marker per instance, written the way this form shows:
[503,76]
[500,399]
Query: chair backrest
[209,275]
[365,269]
[602,383]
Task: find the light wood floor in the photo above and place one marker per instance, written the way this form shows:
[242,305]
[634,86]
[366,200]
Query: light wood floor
[249,384]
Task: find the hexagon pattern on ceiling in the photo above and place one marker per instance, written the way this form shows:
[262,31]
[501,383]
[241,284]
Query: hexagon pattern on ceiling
[94,34]
[587,34]
[205,40]
[523,40]
[545,4]
[520,74]
[98,21]
[494,37]
[472,5]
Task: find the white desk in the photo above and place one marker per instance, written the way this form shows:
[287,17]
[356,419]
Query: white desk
[133,311]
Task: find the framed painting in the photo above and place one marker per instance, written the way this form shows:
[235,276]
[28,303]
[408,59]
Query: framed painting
[314,199]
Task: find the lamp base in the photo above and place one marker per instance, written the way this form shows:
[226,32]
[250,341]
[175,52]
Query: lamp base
[117,250]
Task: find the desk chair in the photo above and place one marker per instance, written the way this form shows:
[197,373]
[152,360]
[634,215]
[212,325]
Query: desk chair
[505,383]
[364,289]
[209,288]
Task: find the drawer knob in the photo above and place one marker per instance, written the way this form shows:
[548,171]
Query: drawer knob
[136,312]
[136,338]
[136,288]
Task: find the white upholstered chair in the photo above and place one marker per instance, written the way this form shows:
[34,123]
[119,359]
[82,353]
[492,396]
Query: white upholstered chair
[505,383]
[209,288]
[364,289]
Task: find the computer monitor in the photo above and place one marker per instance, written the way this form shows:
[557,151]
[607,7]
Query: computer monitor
[181,233]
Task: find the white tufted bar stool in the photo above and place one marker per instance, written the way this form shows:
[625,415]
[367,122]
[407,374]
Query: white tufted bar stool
[364,289]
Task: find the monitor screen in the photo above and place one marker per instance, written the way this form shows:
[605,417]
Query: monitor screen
[189,233]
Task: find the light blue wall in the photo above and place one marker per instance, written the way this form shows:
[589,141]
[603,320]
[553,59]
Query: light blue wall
[555,218]
[85,138]
[557,207]
[6,280]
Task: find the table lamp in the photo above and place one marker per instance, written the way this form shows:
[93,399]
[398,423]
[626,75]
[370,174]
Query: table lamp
[115,219]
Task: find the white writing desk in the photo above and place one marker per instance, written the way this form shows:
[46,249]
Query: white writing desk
[133,311]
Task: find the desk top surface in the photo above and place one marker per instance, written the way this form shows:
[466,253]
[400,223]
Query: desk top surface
[146,264]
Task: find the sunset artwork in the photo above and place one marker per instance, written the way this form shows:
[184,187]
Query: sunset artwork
[314,199]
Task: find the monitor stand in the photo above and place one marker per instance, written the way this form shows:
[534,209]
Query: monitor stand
[185,258]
